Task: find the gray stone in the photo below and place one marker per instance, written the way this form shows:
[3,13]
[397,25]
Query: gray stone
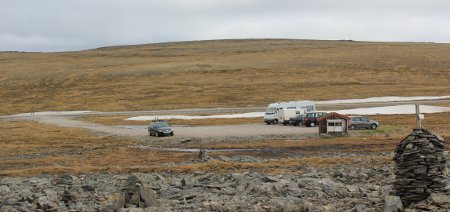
[224,158]
[114,202]
[51,195]
[203,155]
[133,180]
[131,210]
[358,208]
[4,190]
[420,170]
[46,205]
[187,182]
[269,179]
[392,204]
[8,208]
[147,195]
[439,199]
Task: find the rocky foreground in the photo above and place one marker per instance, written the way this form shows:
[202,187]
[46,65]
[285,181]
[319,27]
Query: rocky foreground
[341,188]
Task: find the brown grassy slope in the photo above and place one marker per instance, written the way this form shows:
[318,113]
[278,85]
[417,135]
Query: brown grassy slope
[219,73]
[30,148]
[33,148]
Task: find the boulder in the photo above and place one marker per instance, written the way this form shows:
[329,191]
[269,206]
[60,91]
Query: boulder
[392,204]
[67,179]
[114,202]
[4,190]
[149,197]
[440,200]
[46,205]
[358,208]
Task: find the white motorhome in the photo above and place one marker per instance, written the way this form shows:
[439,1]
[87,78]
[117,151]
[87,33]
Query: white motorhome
[281,112]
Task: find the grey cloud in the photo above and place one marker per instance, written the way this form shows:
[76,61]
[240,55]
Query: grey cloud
[60,25]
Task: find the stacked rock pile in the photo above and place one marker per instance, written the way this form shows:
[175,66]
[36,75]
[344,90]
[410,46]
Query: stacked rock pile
[420,166]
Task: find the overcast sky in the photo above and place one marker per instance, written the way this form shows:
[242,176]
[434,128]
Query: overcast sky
[62,25]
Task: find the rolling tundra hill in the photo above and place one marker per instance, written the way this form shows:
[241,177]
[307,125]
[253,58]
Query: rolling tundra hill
[219,73]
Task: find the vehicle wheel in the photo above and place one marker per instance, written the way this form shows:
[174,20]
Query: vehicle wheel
[149,133]
[171,134]
[352,126]
[268,123]
[275,121]
[157,134]
[373,126]
[295,124]
[312,124]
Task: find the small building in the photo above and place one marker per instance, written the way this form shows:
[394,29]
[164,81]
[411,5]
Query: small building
[333,123]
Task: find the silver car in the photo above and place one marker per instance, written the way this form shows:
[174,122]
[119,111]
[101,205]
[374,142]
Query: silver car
[359,122]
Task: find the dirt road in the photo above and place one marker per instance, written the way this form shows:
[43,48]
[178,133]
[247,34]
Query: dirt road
[183,131]
[65,119]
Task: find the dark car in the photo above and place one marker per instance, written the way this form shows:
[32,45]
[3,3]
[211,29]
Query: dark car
[297,120]
[359,122]
[310,119]
[159,128]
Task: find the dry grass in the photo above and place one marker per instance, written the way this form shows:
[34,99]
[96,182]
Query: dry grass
[396,126]
[29,148]
[120,120]
[278,166]
[219,74]
[401,125]
[316,145]
[110,120]
[32,148]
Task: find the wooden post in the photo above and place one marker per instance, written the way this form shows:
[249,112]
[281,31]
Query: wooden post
[418,120]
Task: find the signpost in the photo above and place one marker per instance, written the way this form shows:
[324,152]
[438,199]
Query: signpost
[419,117]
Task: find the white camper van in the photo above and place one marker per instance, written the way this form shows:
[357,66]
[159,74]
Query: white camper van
[280,112]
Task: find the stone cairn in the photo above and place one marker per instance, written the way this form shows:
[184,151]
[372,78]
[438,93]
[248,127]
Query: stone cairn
[420,166]
[203,156]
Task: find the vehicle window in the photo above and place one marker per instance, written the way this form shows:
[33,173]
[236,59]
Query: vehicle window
[161,124]
[364,119]
[271,110]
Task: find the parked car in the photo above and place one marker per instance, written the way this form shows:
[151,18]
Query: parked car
[159,128]
[310,119]
[297,120]
[359,122]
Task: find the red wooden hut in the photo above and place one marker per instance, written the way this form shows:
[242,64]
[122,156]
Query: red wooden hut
[333,123]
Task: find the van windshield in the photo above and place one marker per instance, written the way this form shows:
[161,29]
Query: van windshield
[270,110]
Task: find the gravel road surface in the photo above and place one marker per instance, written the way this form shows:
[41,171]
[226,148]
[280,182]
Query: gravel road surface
[184,131]
[65,120]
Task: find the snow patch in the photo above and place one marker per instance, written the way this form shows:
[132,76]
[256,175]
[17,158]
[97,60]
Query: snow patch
[226,116]
[388,110]
[381,99]
[397,109]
